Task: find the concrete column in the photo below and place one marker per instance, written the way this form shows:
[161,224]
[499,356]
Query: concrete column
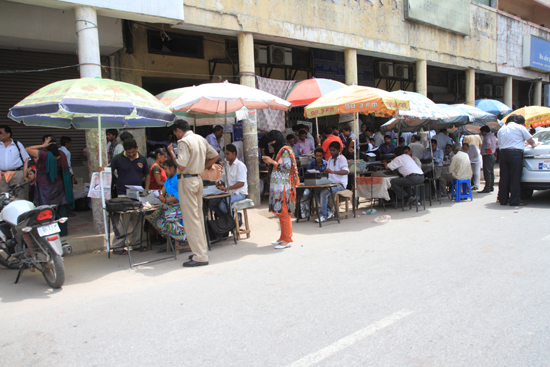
[537,94]
[90,66]
[247,72]
[350,60]
[471,87]
[508,91]
[422,77]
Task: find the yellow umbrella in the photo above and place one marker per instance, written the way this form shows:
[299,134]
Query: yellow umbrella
[357,99]
[535,116]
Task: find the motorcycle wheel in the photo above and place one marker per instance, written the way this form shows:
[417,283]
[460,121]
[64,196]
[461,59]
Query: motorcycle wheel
[5,260]
[54,270]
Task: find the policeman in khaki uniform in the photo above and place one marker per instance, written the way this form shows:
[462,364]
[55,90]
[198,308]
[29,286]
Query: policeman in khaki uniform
[193,156]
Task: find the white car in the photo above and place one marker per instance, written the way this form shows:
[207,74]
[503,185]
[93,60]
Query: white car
[536,165]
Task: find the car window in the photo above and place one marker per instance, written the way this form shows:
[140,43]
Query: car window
[542,137]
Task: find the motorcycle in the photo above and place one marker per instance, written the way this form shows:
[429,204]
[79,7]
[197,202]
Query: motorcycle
[29,237]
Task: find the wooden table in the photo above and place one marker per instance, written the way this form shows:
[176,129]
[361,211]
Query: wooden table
[316,187]
[225,196]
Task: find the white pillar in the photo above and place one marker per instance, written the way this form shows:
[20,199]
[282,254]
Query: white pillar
[537,94]
[87,41]
[250,128]
[422,77]
[471,87]
[509,91]
[350,62]
[90,66]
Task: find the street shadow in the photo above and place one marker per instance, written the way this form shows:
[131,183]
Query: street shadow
[540,199]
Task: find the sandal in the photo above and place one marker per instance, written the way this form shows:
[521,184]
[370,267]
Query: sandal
[120,251]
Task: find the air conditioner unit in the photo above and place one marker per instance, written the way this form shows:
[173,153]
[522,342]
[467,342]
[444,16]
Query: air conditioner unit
[401,71]
[260,54]
[499,91]
[280,55]
[487,90]
[385,69]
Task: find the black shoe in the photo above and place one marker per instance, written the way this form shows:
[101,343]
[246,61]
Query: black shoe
[193,263]
[492,189]
[484,191]
[191,257]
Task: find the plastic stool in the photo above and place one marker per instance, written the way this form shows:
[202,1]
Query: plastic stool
[462,189]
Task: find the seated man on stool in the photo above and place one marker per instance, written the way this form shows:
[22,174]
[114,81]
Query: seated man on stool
[459,169]
[235,171]
[412,175]
[338,170]
[319,165]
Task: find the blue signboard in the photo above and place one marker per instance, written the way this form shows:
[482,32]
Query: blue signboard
[536,53]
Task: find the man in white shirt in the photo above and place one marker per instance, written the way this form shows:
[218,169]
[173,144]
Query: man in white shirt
[460,168]
[407,151]
[511,142]
[338,170]
[236,185]
[378,139]
[488,150]
[417,148]
[475,161]
[443,138]
[14,160]
[66,143]
[410,172]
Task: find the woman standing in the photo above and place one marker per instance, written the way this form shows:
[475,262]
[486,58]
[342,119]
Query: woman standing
[53,178]
[282,189]
[157,173]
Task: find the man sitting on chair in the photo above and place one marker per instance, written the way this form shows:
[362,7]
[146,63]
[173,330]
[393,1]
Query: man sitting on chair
[338,170]
[410,172]
[460,168]
[235,171]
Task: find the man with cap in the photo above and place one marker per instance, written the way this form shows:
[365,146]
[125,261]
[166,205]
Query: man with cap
[511,141]
[194,155]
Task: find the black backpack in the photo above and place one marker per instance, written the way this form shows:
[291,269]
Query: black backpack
[222,226]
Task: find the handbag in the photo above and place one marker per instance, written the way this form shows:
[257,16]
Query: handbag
[122,205]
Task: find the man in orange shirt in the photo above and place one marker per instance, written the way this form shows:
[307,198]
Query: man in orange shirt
[329,138]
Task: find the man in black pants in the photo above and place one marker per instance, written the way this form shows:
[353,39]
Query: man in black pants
[511,141]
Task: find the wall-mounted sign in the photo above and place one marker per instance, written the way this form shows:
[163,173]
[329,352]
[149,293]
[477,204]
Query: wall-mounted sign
[536,53]
[453,15]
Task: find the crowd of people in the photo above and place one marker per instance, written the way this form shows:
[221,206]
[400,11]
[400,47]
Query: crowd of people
[175,171]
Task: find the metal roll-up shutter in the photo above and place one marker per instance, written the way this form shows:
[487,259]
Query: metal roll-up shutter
[16,86]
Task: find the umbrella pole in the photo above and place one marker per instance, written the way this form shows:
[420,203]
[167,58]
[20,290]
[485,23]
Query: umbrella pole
[225,146]
[317,127]
[101,184]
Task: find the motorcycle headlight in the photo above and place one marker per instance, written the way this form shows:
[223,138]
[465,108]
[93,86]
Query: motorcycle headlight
[26,229]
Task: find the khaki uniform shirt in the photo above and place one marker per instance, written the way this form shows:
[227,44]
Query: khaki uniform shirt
[193,151]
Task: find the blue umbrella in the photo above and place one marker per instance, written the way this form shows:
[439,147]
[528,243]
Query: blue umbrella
[493,106]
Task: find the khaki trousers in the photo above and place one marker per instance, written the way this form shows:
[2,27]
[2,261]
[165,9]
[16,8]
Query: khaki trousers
[16,179]
[190,193]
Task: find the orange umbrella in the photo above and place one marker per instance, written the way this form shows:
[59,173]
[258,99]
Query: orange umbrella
[535,116]
[355,99]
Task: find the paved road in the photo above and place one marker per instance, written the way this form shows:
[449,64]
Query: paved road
[462,284]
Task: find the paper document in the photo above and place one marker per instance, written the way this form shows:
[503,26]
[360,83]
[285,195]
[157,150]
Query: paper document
[136,188]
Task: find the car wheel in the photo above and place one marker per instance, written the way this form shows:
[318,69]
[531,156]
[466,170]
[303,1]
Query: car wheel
[526,194]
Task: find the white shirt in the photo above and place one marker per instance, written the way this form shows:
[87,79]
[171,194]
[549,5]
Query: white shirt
[460,166]
[405,165]
[417,161]
[68,155]
[118,149]
[417,149]
[378,139]
[340,164]
[443,140]
[513,136]
[473,154]
[10,159]
[235,173]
